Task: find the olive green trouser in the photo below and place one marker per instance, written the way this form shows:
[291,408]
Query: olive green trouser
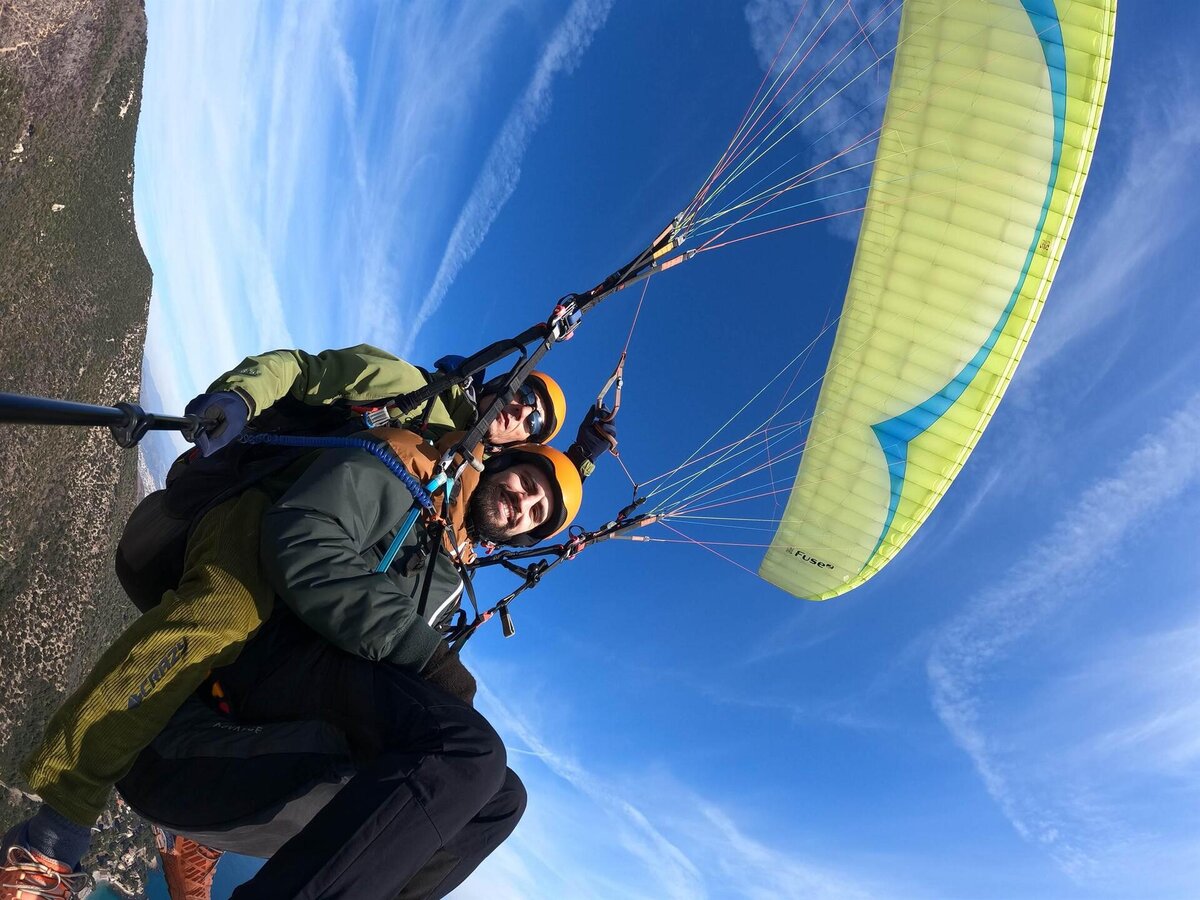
[163,657]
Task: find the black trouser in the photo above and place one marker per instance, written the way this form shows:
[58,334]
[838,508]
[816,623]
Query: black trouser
[432,795]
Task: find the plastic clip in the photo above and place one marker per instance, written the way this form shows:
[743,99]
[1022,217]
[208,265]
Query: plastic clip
[377,417]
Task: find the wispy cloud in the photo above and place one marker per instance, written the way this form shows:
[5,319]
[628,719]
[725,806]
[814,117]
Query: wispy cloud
[1157,473]
[677,875]
[198,205]
[288,192]
[502,169]
[762,872]
[1149,206]
[668,843]
[1147,688]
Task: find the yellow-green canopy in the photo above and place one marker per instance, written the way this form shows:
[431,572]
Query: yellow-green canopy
[989,130]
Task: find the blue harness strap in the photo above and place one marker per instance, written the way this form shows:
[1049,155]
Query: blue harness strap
[439,480]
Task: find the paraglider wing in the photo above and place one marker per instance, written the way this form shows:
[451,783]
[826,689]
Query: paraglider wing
[989,129]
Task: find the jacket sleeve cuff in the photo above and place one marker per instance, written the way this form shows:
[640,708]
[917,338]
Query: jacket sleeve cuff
[247,399]
[414,647]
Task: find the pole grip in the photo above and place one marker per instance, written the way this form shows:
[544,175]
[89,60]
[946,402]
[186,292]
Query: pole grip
[20,409]
[128,422]
[506,622]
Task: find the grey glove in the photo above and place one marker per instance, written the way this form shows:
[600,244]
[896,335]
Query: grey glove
[229,413]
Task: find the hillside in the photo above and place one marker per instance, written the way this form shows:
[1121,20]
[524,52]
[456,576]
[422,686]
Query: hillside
[75,293]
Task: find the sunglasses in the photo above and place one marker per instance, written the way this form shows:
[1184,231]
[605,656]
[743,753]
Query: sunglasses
[535,420]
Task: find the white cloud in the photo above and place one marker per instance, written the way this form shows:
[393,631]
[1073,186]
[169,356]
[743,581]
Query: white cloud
[502,169]
[583,837]
[1147,690]
[762,872]
[1149,208]
[676,874]
[198,206]
[1079,834]
[407,110]
[288,190]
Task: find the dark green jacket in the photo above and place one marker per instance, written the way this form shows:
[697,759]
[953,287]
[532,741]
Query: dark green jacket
[322,540]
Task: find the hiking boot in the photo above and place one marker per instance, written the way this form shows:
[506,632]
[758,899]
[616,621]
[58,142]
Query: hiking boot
[188,867]
[27,875]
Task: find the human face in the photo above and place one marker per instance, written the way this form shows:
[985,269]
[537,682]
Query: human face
[514,423]
[512,502]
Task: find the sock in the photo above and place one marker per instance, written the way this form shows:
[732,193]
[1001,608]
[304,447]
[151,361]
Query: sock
[53,834]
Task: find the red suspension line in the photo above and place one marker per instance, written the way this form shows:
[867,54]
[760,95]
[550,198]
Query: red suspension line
[750,135]
[712,246]
[711,243]
[690,540]
[796,182]
[637,312]
[832,61]
[696,201]
[632,481]
[778,406]
[713,488]
[707,544]
[696,509]
[699,459]
[866,37]
[741,140]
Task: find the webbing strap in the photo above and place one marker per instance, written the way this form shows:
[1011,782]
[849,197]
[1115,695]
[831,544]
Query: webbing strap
[409,521]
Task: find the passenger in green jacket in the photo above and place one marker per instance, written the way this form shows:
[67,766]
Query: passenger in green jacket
[363,375]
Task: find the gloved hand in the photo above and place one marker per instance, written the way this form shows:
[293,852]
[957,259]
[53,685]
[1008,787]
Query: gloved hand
[449,363]
[230,413]
[446,671]
[596,436]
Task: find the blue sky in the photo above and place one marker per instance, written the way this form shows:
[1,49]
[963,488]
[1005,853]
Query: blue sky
[1009,709]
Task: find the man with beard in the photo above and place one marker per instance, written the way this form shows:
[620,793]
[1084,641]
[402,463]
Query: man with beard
[349,644]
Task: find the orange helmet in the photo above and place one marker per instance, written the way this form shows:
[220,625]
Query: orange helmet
[555,402]
[564,478]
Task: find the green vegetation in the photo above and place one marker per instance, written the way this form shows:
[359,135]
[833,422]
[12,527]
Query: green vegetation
[74,293]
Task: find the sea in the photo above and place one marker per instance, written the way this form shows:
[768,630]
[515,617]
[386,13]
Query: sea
[231,871]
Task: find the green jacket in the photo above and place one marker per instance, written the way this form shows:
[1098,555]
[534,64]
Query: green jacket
[358,374]
[323,538]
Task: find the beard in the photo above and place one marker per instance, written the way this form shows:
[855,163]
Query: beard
[484,519]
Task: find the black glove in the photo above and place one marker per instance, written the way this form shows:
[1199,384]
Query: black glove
[446,671]
[597,435]
[230,413]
